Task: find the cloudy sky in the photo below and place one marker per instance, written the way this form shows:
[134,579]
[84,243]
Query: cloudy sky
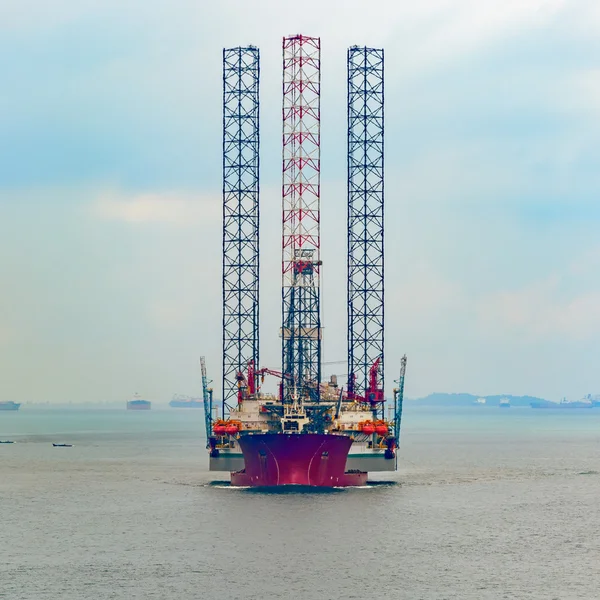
[110,190]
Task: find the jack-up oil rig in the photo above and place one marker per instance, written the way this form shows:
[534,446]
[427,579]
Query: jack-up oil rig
[312,432]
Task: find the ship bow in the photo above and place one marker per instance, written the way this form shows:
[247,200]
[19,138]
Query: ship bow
[293,459]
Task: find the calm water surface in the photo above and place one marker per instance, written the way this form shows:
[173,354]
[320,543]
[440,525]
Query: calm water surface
[488,504]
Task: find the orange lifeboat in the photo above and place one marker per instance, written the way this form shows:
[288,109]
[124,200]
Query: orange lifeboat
[367,427]
[381,429]
[222,427]
[219,429]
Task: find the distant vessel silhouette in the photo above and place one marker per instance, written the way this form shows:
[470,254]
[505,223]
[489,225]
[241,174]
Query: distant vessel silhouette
[181,401]
[564,403]
[138,404]
[593,398]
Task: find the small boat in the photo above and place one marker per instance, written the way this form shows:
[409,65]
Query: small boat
[63,445]
[6,442]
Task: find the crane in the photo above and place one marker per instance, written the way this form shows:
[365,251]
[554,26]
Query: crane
[398,399]
[249,384]
[207,397]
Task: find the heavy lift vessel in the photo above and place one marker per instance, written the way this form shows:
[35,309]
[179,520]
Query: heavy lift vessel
[336,441]
[311,432]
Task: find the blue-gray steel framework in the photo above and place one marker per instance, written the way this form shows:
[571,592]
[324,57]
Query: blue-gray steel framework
[241,143]
[365,214]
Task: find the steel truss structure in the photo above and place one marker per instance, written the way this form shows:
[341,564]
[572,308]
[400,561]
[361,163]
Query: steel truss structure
[365,215]
[301,193]
[241,141]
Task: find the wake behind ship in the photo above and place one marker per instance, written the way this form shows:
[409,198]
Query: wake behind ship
[9,406]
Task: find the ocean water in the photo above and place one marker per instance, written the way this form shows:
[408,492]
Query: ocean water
[487,504]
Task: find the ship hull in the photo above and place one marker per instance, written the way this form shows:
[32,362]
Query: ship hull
[296,459]
[561,406]
[138,406]
[10,406]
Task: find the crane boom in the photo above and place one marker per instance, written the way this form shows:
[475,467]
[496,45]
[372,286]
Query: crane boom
[207,397]
[398,399]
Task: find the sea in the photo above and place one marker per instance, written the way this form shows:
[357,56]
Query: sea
[487,503]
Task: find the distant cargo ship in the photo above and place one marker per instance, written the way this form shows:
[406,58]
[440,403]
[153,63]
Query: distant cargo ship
[594,399]
[138,404]
[9,406]
[564,403]
[180,401]
[505,403]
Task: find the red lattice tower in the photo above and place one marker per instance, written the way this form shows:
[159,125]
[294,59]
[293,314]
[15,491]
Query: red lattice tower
[301,193]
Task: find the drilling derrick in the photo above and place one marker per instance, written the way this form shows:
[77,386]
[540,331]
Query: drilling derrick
[365,224]
[241,73]
[301,191]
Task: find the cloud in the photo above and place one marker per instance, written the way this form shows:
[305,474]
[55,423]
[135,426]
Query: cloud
[173,208]
[432,297]
[587,264]
[442,32]
[552,308]
[492,127]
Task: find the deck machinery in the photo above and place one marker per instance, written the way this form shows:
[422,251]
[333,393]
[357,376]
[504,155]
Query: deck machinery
[311,432]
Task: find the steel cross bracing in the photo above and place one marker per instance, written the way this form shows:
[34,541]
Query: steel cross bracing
[241,74]
[365,214]
[301,192]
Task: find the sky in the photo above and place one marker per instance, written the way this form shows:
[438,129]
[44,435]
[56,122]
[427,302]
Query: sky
[110,191]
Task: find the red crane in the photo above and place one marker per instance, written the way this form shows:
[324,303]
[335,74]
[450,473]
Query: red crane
[373,393]
[247,384]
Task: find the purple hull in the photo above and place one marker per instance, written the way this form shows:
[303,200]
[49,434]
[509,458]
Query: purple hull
[296,459]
